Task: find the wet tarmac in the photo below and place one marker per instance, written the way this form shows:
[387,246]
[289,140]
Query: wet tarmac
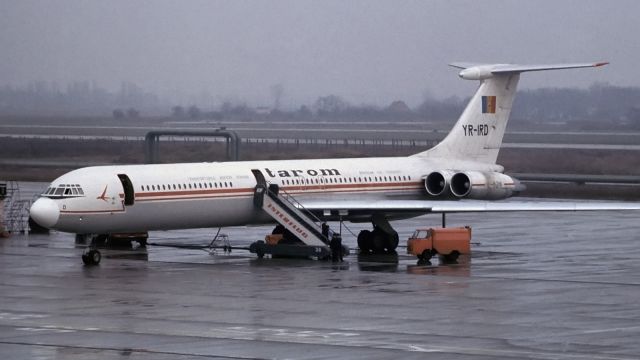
[537,286]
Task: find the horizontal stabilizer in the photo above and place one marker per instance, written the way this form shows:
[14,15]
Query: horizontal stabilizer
[514,68]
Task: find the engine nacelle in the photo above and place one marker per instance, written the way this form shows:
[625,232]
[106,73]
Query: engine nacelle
[437,183]
[476,73]
[484,186]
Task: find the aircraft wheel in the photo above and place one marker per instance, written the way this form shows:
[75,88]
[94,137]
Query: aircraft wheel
[379,241]
[92,257]
[365,241]
[392,242]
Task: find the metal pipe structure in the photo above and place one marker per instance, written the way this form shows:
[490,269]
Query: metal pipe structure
[152,139]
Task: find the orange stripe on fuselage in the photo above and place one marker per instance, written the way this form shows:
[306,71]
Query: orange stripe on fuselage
[293,189]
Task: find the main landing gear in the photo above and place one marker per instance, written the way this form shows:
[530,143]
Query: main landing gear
[383,239]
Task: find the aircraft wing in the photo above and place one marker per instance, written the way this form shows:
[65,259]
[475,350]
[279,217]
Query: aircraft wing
[397,208]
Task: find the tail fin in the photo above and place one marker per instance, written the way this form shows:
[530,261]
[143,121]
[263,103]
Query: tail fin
[477,135]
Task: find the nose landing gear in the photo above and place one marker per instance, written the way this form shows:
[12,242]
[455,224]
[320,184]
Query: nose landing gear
[91,257]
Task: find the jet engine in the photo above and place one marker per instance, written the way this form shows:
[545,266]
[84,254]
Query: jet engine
[476,73]
[437,182]
[484,186]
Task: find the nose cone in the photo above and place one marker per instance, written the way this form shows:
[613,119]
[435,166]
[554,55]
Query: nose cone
[45,212]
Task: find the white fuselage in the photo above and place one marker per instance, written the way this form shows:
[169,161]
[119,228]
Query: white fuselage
[199,195]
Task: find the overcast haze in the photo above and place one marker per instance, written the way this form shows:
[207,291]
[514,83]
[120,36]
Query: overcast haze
[369,52]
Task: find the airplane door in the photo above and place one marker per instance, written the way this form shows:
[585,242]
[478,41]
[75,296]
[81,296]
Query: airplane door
[260,180]
[128,189]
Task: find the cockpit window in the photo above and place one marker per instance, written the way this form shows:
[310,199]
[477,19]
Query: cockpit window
[63,191]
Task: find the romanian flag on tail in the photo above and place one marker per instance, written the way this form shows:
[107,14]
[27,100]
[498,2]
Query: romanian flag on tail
[488,104]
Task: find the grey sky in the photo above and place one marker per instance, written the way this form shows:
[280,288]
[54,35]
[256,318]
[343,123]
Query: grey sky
[370,52]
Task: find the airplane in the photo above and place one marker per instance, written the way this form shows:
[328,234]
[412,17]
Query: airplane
[459,174]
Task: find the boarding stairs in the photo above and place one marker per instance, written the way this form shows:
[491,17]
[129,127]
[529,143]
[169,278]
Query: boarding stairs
[290,213]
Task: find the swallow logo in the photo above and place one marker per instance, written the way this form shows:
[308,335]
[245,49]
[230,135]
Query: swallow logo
[103,197]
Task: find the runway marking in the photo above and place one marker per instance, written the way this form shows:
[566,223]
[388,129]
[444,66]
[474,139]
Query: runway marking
[15,316]
[598,331]
[46,328]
